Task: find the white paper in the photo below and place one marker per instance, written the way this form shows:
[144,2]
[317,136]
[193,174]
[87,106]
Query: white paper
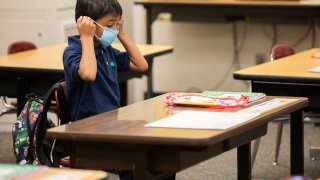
[316,69]
[203,120]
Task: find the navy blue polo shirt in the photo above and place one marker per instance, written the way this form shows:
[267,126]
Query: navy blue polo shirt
[102,95]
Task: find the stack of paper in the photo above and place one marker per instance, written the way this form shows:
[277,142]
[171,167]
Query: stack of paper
[315,69]
[203,120]
[217,120]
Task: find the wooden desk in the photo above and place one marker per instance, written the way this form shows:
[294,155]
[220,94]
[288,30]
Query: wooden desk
[119,140]
[286,77]
[37,70]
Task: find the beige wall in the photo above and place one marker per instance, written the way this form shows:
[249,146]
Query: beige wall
[39,21]
[203,52]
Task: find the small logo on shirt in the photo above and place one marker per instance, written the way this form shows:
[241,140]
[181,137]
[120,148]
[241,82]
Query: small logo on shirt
[112,64]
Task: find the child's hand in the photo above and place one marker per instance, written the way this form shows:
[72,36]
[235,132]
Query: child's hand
[86,26]
[120,25]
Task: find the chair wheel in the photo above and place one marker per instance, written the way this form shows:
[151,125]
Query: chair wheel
[275,163]
[313,158]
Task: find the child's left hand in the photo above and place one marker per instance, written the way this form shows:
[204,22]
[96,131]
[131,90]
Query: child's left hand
[120,25]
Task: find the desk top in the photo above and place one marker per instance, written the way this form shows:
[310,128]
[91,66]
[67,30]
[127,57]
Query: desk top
[232,2]
[126,125]
[50,58]
[289,69]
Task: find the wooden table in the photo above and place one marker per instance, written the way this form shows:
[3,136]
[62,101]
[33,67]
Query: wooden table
[119,140]
[286,77]
[37,70]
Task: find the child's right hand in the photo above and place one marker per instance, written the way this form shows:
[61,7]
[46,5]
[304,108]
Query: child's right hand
[86,26]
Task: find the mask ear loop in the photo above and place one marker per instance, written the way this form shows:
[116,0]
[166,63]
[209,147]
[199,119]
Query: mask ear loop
[118,28]
[99,26]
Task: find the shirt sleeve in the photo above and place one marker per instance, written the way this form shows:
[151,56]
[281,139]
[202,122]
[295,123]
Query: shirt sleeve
[71,61]
[123,60]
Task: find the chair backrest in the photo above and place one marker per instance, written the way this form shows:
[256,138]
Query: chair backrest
[63,111]
[21,46]
[281,50]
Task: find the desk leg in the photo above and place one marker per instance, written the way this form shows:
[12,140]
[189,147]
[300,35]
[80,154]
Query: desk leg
[149,79]
[149,22]
[140,167]
[123,87]
[296,143]
[244,161]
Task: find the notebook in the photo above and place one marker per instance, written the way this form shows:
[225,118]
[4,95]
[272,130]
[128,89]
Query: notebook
[253,96]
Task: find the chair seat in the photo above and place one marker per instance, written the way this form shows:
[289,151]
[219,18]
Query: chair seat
[65,162]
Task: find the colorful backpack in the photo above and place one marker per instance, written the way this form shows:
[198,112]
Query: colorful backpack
[29,132]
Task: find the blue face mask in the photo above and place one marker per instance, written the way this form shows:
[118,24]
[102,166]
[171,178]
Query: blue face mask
[108,35]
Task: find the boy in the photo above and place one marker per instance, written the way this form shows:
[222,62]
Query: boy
[90,62]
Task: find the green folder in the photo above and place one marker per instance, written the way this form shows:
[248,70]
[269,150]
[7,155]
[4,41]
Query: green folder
[12,171]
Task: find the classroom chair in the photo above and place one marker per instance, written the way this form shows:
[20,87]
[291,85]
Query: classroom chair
[277,51]
[63,112]
[15,47]
[20,46]
[62,108]
[280,51]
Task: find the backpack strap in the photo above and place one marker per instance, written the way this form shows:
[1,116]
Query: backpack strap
[31,97]
[43,125]
[30,133]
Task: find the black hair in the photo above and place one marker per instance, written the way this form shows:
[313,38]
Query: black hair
[96,9]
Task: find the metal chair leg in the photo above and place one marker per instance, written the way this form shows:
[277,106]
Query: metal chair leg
[6,111]
[7,107]
[5,103]
[278,142]
[255,151]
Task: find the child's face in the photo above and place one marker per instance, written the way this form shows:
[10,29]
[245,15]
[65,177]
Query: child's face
[109,20]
